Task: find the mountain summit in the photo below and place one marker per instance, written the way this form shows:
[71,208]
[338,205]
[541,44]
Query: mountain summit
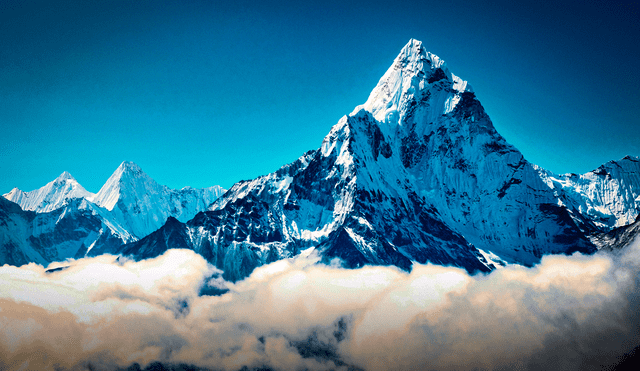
[413,71]
[50,197]
[452,156]
[143,205]
[127,180]
[417,173]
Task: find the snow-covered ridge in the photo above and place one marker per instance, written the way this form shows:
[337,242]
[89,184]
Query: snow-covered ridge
[50,197]
[608,196]
[132,203]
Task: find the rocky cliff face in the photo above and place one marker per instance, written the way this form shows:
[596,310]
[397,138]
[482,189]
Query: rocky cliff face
[605,198]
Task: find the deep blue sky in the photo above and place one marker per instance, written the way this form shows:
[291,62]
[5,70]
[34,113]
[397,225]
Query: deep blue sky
[201,93]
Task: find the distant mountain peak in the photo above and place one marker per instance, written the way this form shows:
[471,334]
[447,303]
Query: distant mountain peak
[50,197]
[65,176]
[129,166]
[128,169]
[128,178]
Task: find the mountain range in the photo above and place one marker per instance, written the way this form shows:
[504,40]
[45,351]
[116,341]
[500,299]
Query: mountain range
[63,220]
[417,173]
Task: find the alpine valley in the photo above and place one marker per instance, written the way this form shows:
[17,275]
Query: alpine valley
[416,174]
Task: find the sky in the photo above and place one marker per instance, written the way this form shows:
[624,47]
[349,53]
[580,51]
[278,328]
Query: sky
[203,93]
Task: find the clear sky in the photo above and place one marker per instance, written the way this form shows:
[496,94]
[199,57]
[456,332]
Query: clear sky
[200,93]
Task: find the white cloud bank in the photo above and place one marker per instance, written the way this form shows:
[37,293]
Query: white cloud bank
[567,313]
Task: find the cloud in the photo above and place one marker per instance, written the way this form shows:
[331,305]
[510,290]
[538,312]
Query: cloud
[567,313]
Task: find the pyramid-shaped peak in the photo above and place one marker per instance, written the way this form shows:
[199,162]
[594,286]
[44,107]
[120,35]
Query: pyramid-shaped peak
[415,52]
[64,177]
[129,166]
[126,170]
[415,74]
[414,59]
[128,179]
[51,196]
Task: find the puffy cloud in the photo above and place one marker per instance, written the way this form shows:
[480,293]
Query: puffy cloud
[568,312]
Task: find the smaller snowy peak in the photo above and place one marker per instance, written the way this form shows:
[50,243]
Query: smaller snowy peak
[128,178]
[415,74]
[53,195]
[628,164]
[142,205]
[127,169]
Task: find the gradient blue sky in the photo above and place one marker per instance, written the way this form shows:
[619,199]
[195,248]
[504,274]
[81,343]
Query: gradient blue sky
[201,93]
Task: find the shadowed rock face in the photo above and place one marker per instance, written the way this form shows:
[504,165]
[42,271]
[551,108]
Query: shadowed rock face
[333,199]
[27,236]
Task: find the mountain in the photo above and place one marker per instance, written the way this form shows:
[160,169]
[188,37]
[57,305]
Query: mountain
[62,220]
[605,198]
[142,205]
[66,232]
[50,197]
[417,173]
[453,157]
[14,229]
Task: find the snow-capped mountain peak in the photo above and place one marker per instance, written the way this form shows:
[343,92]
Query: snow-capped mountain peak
[70,222]
[50,197]
[415,75]
[128,176]
[129,168]
[144,205]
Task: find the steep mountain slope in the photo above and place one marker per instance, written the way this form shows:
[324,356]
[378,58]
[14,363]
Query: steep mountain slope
[142,205]
[417,173]
[617,238]
[50,197]
[325,199]
[14,229]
